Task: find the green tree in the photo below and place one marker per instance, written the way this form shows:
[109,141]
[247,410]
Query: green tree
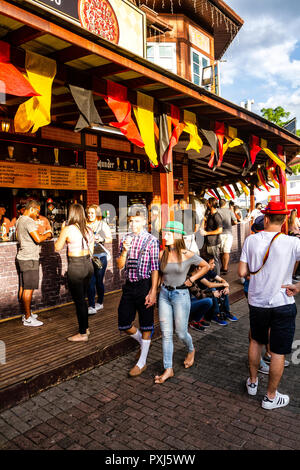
[277,115]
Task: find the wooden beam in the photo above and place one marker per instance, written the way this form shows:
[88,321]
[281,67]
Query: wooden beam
[22,35]
[69,53]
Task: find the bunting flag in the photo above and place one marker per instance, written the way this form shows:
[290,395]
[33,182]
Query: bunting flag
[12,81]
[279,170]
[213,142]
[272,178]
[232,139]
[217,193]
[190,126]
[164,140]
[244,188]
[261,180]
[35,112]
[247,161]
[277,160]
[220,133]
[116,99]
[225,194]
[145,118]
[228,188]
[177,130]
[85,103]
[212,193]
[266,176]
[237,190]
[254,147]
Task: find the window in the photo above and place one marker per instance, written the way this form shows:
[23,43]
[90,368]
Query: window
[198,61]
[163,54]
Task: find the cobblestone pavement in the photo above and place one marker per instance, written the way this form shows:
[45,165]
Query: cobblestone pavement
[205,407]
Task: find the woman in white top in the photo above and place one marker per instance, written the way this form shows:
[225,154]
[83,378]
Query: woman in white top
[102,235]
[80,241]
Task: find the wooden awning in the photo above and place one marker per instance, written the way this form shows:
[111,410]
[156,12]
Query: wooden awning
[90,61]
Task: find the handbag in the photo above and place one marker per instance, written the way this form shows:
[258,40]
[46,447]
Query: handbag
[97,263]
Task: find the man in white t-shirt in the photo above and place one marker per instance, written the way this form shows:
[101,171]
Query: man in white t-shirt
[256,212]
[272,311]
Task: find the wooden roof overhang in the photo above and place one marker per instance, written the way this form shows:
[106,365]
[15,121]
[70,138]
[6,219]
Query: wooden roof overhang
[87,60]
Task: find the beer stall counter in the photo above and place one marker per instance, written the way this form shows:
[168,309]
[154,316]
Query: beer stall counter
[56,187]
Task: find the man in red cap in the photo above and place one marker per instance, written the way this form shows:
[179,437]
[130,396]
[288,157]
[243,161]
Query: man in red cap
[269,257]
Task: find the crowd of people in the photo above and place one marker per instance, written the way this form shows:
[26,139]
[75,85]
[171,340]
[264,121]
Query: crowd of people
[190,290]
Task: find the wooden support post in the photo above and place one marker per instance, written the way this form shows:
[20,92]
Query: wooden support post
[283,189]
[252,198]
[167,196]
[185,177]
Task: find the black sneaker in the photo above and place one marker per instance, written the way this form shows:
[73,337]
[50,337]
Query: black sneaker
[196,325]
[204,323]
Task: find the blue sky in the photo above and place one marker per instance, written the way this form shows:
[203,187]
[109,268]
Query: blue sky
[263,62]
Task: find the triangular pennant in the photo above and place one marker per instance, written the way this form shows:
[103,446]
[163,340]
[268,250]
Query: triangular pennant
[231,139]
[220,133]
[12,81]
[228,188]
[164,140]
[225,194]
[84,100]
[213,142]
[35,112]
[254,147]
[116,99]
[191,128]
[244,188]
[272,155]
[237,190]
[177,130]
[145,118]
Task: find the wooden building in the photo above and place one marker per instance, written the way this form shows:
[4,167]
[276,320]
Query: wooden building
[99,164]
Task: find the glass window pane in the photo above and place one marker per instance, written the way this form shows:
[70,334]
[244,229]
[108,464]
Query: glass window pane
[204,62]
[196,69]
[196,80]
[165,50]
[150,51]
[195,58]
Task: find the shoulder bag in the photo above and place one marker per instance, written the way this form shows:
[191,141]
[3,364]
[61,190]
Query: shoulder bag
[266,255]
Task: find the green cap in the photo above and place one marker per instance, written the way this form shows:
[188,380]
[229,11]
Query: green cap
[174,226]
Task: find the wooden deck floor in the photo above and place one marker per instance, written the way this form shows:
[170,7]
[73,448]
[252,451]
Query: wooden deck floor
[37,358]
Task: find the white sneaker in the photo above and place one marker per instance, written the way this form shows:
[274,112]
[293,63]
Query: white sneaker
[32,322]
[92,311]
[98,306]
[279,401]
[252,387]
[33,315]
[263,367]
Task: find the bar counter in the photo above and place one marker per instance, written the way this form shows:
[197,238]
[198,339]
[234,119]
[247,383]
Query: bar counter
[53,290]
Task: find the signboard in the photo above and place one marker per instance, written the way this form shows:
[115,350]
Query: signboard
[124,181]
[199,39]
[117,21]
[24,175]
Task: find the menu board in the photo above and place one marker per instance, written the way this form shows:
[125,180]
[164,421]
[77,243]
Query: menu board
[26,175]
[124,181]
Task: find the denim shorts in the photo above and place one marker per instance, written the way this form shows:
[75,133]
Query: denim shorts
[281,323]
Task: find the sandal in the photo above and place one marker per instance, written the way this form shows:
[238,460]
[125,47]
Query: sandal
[188,364]
[159,378]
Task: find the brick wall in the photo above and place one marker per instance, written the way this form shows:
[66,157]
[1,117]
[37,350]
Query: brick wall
[91,159]
[53,289]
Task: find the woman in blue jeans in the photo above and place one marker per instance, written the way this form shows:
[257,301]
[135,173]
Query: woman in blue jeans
[174,299]
[102,235]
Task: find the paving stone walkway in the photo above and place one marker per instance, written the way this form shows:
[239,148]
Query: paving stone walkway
[205,407]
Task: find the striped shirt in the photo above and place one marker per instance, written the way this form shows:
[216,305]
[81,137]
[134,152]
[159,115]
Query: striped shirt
[148,259]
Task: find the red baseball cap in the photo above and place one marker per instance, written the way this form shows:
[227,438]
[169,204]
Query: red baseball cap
[275,208]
